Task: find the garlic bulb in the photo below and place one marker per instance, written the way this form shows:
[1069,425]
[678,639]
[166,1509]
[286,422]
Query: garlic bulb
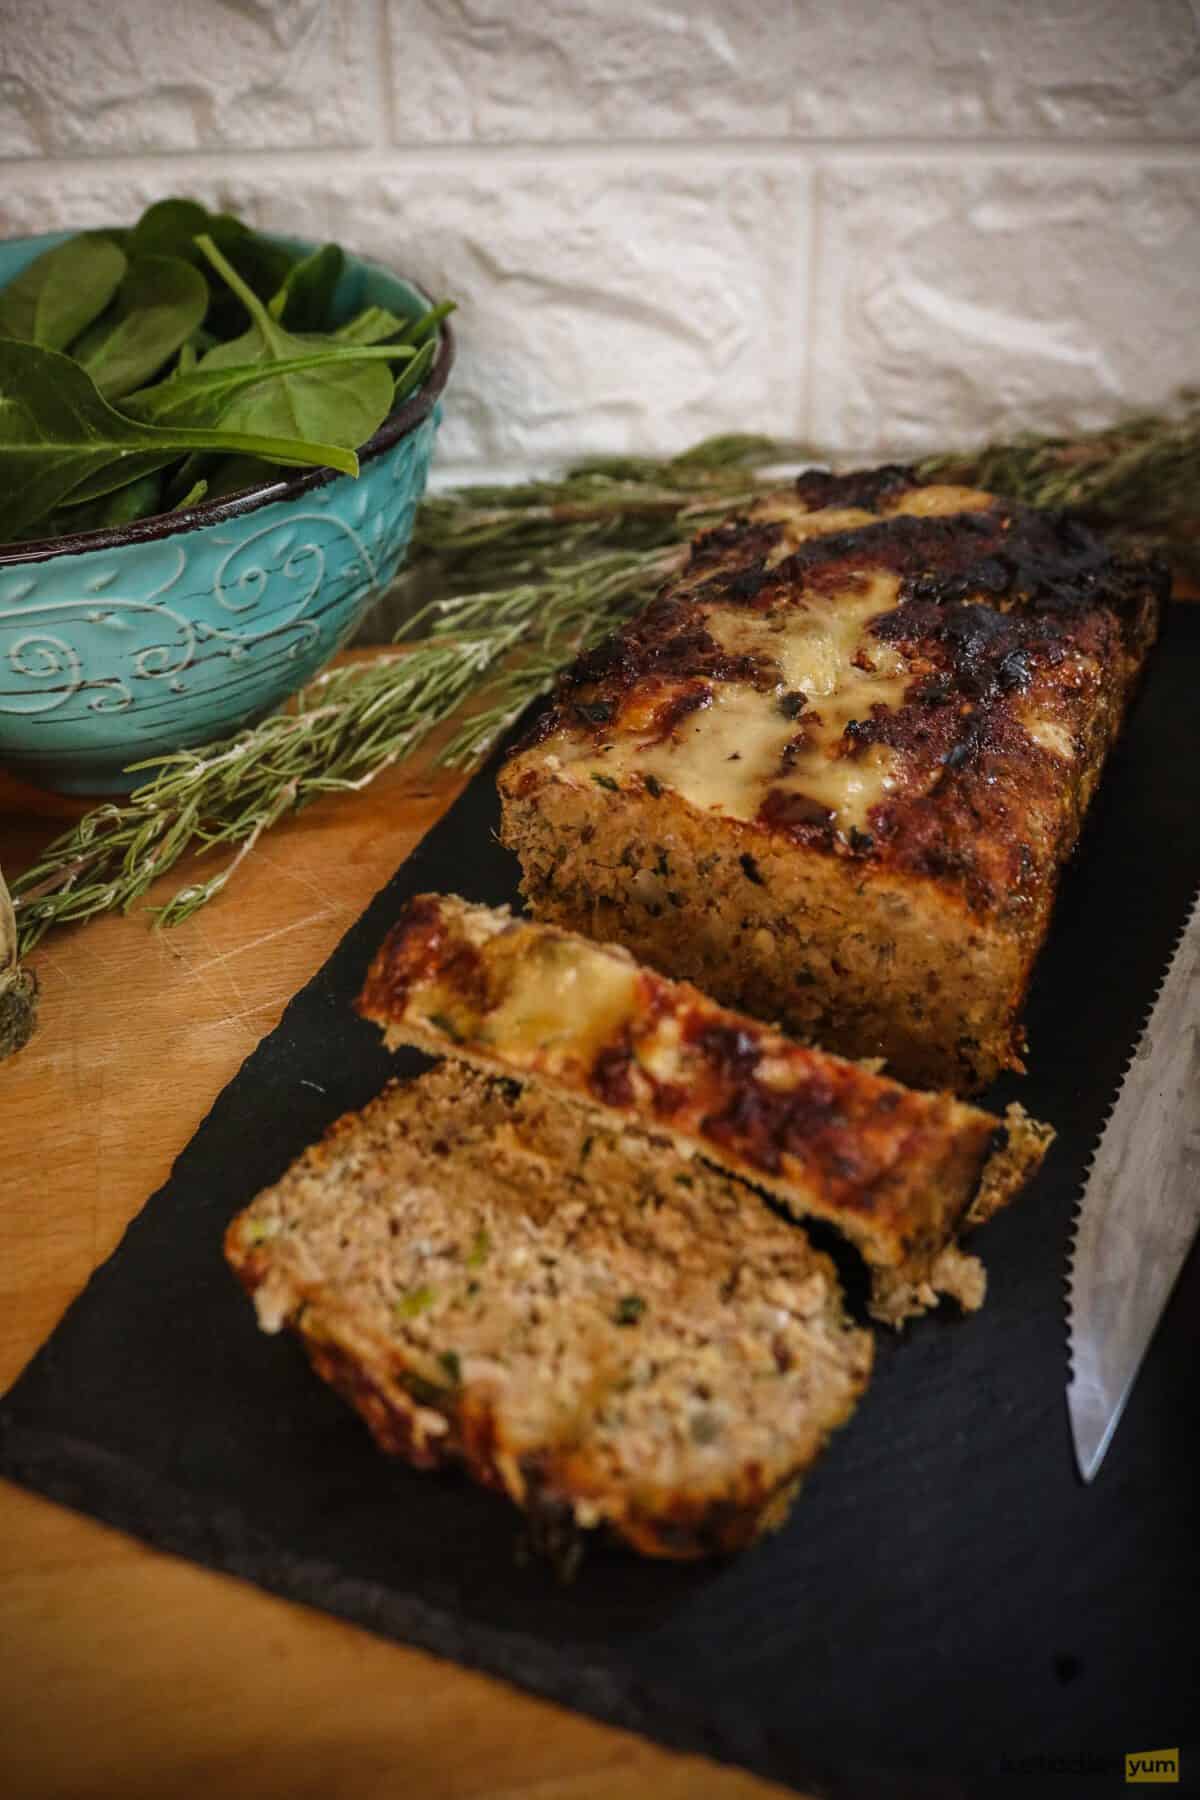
[18,988]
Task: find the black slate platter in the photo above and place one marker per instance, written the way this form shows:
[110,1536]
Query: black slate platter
[948,1609]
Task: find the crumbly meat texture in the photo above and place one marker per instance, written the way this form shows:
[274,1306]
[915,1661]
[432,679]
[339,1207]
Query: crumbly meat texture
[895,1170]
[582,1319]
[832,773]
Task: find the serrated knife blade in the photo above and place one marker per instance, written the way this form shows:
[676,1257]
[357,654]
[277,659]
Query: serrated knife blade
[1140,1208]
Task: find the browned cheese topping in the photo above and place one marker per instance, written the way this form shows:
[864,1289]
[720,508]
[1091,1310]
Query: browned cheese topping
[549,1003]
[873,668]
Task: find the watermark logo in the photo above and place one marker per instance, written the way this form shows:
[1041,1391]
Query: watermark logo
[1152,1765]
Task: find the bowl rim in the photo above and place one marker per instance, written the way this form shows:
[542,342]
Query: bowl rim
[399,424]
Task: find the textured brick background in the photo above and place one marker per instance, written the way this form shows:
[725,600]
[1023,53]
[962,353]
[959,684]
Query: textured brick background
[871,224]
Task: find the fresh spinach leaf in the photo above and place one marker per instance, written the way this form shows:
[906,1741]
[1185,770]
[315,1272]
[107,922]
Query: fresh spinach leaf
[234,474]
[198,467]
[263,266]
[198,344]
[136,500]
[59,438]
[240,397]
[414,372]
[419,331]
[60,292]
[110,234]
[195,494]
[148,313]
[170,228]
[343,398]
[158,305]
[374,325]
[305,300]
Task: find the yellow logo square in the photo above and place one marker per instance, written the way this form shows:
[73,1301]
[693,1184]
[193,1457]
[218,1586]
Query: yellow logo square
[1152,1765]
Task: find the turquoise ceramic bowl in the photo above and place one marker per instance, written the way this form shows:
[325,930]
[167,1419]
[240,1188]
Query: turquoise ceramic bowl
[125,644]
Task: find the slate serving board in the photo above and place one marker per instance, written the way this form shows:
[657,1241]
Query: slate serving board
[948,1609]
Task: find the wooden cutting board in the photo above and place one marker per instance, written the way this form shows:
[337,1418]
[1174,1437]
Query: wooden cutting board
[124,1672]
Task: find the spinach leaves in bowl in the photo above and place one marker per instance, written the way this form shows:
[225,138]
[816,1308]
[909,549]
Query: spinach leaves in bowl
[148,369]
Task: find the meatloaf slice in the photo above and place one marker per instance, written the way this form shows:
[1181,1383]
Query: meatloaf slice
[898,1171]
[832,772]
[608,1333]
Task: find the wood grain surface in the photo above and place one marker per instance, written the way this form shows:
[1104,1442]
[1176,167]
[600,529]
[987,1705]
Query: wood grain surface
[123,1672]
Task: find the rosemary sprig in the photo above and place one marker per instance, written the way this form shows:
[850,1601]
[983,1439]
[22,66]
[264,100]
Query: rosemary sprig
[507,533]
[541,570]
[18,986]
[232,791]
[1139,479]
[343,730]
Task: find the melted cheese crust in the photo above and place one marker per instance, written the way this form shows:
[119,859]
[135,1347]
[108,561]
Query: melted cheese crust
[845,1142]
[558,1000]
[740,744]
[921,675]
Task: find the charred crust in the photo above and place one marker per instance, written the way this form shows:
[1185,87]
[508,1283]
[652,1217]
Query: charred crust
[682,1529]
[998,611]
[1042,568]
[593,712]
[866,489]
[717,1528]
[845,1127]
[416,945]
[676,709]
[732,1052]
[753,539]
[761,1126]
[985,598]
[667,644]
[796,816]
[667,639]
[736,584]
[552,1531]
[611,1076]
[392,1422]
[818,1120]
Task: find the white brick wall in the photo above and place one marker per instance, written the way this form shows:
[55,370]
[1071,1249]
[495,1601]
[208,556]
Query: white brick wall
[873,224]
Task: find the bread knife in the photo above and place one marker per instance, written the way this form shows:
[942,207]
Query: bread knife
[1140,1208]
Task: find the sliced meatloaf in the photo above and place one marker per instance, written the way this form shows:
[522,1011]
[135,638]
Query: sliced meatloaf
[610,1334]
[898,1171]
[832,773]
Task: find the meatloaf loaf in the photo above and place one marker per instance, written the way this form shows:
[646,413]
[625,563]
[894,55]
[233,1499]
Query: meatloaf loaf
[833,771]
[899,1172]
[610,1335]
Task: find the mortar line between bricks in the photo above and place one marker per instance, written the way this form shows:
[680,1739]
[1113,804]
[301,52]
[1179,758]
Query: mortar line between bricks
[683,153]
